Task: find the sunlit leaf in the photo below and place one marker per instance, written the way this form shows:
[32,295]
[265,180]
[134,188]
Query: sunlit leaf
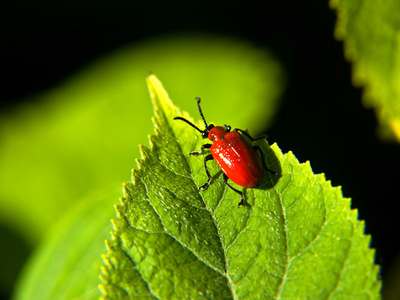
[296,239]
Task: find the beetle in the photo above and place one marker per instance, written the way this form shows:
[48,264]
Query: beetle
[237,159]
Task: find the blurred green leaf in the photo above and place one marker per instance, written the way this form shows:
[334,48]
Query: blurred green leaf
[84,133]
[67,263]
[371,34]
[14,252]
[297,238]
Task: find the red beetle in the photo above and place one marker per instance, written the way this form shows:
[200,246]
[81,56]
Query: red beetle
[235,156]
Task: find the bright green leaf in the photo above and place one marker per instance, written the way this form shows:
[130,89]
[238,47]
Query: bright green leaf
[296,239]
[371,34]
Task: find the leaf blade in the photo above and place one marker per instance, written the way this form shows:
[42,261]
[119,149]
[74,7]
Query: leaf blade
[297,237]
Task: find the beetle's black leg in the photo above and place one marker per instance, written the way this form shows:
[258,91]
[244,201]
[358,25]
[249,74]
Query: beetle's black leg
[263,160]
[207,158]
[262,137]
[235,190]
[205,146]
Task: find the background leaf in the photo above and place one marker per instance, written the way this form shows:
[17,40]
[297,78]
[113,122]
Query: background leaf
[297,238]
[67,263]
[371,35]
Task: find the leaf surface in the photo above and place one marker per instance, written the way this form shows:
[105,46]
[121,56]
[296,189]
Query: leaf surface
[296,238]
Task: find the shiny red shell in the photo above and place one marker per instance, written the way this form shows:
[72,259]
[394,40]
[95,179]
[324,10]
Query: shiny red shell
[236,157]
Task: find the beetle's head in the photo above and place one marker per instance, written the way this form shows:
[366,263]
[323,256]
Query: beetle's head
[206,131]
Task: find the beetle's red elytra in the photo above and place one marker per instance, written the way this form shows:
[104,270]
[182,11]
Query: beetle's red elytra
[237,159]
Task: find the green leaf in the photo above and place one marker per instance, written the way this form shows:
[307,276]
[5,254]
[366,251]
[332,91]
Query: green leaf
[297,238]
[371,34]
[67,263]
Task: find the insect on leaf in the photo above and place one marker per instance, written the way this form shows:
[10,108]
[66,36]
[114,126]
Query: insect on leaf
[296,238]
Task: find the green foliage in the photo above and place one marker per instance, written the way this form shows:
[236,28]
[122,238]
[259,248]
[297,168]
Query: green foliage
[296,238]
[84,134]
[67,263]
[371,34]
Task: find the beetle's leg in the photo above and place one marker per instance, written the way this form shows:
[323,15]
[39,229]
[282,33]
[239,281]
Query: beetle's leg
[262,137]
[235,190]
[263,160]
[207,158]
[205,146]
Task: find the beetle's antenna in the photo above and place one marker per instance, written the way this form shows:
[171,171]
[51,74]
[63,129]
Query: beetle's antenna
[188,122]
[200,111]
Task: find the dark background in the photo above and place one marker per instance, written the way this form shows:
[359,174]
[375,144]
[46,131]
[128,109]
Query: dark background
[321,118]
